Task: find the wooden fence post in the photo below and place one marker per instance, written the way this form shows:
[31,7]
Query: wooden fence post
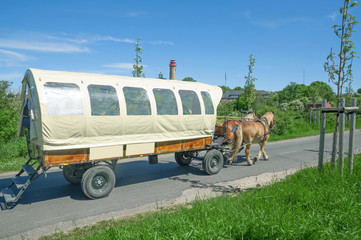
[341,135]
[310,115]
[352,136]
[319,116]
[322,137]
[314,116]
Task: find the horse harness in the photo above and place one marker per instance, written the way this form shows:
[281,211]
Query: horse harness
[264,122]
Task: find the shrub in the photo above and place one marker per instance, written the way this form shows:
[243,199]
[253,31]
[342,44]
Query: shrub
[9,111]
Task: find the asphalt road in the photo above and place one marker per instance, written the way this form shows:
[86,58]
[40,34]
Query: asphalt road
[51,204]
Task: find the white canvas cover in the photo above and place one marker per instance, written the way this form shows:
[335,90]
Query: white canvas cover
[81,110]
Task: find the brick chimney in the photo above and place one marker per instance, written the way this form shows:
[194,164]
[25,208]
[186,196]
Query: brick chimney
[172,70]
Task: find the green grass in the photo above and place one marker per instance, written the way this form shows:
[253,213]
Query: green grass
[13,154]
[306,205]
[302,129]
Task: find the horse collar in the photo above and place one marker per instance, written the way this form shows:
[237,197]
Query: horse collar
[266,121]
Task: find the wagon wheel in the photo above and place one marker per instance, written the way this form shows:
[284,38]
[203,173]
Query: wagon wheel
[74,173]
[183,158]
[213,162]
[98,182]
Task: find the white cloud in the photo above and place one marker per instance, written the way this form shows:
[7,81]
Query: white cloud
[122,66]
[113,39]
[41,46]
[136,13]
[247,13]
[14,55]
[12,59]
[12,77]
[333,16]
[73,40]
[159,42]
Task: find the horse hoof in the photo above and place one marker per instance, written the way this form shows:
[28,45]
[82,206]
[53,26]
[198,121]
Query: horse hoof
[250,163]
[255,160]
[229,162]
[266,159]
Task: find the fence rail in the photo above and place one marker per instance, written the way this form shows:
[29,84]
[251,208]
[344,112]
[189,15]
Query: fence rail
[342,114]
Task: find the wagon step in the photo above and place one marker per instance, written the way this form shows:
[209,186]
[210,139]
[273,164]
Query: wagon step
[28,169]
[9,195]
[19,183]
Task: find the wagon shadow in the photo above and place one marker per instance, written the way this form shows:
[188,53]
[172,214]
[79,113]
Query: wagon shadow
[54,186]
[140,171]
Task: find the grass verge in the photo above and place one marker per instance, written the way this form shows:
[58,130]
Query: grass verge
[306,205]
[13,154]
[305,130]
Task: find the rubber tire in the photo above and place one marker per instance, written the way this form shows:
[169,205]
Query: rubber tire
[182,159]
[68,173]
[213,162]
[89,181]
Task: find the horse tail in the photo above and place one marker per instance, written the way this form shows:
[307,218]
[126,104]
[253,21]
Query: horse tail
[238,138]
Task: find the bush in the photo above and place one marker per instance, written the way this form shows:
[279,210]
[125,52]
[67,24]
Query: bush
[227,109]
[9,112]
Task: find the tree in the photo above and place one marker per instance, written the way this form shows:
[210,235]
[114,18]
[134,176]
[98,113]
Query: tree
[322,90]
[9,112]
[341,73]
[238,88]
[246,99]
[359,90]
[225,89]
[137,66]
[293,91]
[188,79]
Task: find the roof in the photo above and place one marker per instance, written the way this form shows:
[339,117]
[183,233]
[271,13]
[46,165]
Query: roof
[64,116]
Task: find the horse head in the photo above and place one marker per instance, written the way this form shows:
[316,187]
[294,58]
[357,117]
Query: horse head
[251,116]
[270,118]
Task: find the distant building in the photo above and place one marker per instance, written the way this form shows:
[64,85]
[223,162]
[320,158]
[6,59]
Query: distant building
[172,70]
[231,95]
[317,105]
[160,76]
[264,93]
[234,94]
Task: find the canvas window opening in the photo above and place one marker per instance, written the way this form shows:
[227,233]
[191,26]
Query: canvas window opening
[208,104]
[63,99]
[165,101]
[103,100]
[190,102]
[137,101]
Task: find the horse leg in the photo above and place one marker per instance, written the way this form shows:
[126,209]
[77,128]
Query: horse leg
[263,147]
[238,138]
[248,157]
[256,158]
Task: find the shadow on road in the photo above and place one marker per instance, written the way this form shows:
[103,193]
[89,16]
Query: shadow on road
[54,186]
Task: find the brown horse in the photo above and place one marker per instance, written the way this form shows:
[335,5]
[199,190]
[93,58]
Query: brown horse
[253,131]
[228,127]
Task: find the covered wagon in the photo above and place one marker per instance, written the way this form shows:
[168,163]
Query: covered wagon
[84,123]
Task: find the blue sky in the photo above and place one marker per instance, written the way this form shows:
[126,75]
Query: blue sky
[289,39]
